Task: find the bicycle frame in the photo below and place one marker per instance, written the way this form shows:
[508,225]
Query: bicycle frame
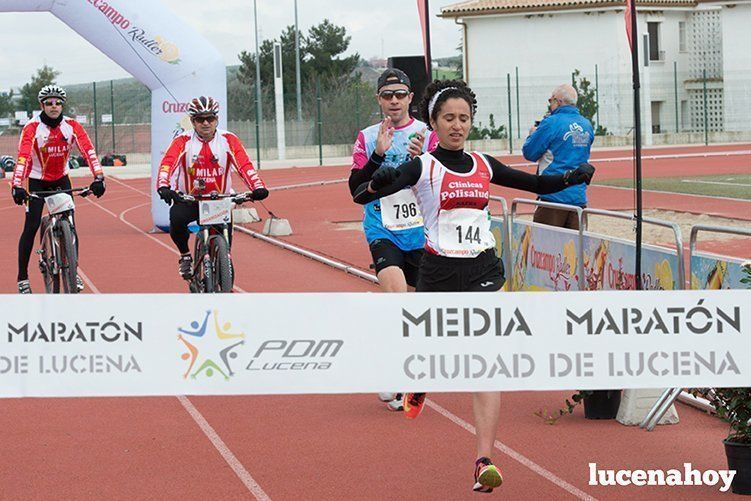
[205,277]
[51,266]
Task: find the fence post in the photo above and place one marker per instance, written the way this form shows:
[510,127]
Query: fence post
[706,114]
[96,129]
[597,98]
[357,107]
[675,93]
[258,127]
[510,134]
[112,108]
[320,122]
[518,126]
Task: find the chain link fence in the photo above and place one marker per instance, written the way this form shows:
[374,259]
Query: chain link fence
[680,106]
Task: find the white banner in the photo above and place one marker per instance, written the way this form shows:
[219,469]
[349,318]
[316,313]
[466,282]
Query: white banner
[122,345]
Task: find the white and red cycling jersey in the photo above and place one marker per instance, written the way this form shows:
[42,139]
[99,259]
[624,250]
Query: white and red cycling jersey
[43,151]
[190,158]
[455,207]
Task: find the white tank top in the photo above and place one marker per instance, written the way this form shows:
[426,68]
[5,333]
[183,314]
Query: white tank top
[455,207]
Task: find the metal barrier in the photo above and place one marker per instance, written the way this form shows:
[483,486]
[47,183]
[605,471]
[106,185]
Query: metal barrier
[676,231]
[671,394]
[506,244]
[570,208]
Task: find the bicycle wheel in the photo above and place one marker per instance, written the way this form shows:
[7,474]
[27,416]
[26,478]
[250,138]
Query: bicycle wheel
[202,276]
[68,258]
[47,262]
[221,266]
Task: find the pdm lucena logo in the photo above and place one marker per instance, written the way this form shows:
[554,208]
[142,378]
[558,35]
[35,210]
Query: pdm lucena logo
[211,347]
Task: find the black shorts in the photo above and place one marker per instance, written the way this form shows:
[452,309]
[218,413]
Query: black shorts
[483,273]
[385,253]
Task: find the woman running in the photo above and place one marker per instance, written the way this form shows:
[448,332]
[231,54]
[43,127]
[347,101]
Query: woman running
[453,190]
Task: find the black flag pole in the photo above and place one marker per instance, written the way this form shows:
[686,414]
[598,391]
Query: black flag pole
[634,39]
[428,52]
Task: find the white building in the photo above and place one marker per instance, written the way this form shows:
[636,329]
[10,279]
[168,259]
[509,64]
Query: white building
[546,40]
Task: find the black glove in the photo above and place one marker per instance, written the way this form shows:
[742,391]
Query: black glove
[166,194]
[582,174]
[20,195]
[383,177]
[97,187]
[260,193]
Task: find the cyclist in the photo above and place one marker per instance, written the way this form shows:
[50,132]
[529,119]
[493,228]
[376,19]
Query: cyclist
[393,225]
[453,190]
[198,162]
[43,151]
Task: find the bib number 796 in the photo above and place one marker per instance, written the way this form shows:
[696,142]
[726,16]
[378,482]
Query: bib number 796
[405,211]
[468,234]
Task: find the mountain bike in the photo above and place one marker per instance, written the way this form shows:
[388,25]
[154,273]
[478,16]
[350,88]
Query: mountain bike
[58,255]
[212,261]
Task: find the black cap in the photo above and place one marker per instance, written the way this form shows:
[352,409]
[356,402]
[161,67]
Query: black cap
[393,76]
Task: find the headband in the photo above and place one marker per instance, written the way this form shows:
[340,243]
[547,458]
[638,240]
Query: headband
[434,99]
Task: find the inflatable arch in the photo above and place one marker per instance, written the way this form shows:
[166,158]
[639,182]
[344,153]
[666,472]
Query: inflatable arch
[152,44]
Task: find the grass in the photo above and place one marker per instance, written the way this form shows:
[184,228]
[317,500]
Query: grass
[733,185]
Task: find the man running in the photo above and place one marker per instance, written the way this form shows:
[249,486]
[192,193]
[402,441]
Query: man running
[393,225]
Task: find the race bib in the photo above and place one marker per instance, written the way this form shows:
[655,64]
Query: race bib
[400,211]
[464,232]
[215,211]
[58,203]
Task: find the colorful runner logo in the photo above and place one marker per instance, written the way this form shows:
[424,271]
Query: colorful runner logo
[210,352]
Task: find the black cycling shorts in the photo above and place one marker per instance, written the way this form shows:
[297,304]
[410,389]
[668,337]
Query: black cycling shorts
[483,273]
[385,253]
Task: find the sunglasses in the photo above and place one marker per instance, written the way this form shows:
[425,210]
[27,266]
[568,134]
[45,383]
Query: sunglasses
[200,120]
[54,103]
[388,94]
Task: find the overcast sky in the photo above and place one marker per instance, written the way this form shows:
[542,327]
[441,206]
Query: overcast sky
[378,28]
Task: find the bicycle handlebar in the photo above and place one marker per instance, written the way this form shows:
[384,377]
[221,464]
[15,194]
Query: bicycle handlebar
[238,198]
[81,192]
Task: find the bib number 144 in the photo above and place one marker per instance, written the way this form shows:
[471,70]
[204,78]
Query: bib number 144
[468,234]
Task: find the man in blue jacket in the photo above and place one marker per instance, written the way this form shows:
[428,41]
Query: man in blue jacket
[560,143]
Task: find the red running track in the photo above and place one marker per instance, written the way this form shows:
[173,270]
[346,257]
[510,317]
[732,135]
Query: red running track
[298,447]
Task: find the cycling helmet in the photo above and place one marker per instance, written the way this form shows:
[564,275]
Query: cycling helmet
[51,91]
[204,105]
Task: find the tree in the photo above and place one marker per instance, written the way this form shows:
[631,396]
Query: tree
[6,104]
[44,76]
[587,102]
[319,56]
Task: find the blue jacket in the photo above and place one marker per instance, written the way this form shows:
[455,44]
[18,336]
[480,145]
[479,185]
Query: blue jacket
[561,143]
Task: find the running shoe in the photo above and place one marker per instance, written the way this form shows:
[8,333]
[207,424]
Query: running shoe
[413,404]
[24,287]
[387,397]
[487,476]
[79,284]
[397,403]
[185,266]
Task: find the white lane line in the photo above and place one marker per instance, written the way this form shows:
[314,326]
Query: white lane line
[88,281]
[655,157]
[203,424]
[698,181]
[525,461]
[222,448]
[674,193]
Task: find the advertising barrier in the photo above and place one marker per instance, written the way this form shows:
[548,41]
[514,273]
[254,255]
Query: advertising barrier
[166,344]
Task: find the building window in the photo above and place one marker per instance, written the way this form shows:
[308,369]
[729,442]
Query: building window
[682,36]
[656,106]
[653,29]
[685,117]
